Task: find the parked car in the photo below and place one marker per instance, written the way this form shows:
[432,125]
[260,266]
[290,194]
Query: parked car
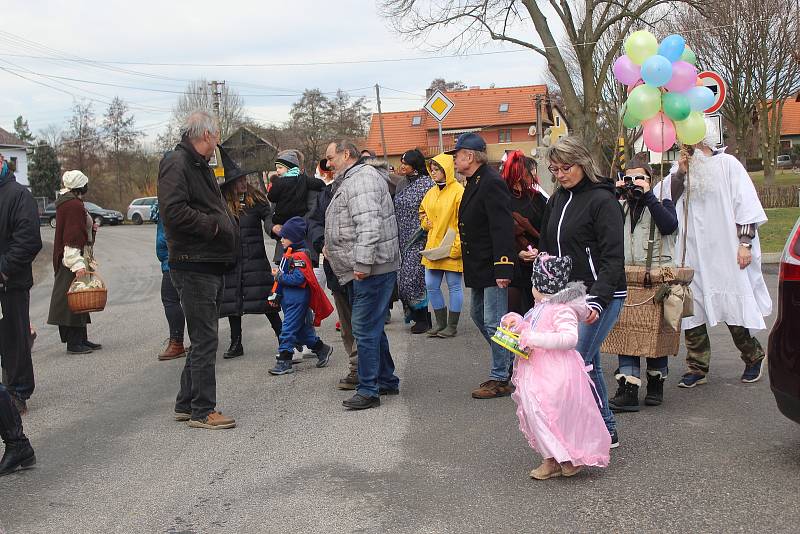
[784,161]
[100,215]
[783,347]
[139,209]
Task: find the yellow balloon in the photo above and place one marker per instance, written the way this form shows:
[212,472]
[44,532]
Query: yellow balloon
[641,45]
[692,130]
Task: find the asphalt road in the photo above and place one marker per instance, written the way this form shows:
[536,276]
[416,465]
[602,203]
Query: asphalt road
[718,458]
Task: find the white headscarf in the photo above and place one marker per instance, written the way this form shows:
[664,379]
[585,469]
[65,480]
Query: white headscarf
[73,180]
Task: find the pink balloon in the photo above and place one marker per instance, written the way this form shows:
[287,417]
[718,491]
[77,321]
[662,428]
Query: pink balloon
[634,85]
[684,76]
[626,71]
[659,133]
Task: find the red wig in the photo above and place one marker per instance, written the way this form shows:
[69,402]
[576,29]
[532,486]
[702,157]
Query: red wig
[515,169]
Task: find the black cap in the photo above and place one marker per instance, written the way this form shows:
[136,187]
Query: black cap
[470,141]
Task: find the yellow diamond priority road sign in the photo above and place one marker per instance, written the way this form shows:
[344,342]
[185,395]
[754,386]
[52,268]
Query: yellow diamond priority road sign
[439,106]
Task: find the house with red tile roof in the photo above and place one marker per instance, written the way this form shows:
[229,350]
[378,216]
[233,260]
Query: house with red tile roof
[790,124]
[506,118]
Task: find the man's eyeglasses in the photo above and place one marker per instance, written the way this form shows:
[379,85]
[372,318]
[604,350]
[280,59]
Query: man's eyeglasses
[629,178]
[564,169]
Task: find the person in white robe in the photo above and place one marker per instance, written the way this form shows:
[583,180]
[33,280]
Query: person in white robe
[719,232]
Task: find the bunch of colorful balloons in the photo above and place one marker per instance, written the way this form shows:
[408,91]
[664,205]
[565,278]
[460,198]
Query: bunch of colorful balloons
[663,92]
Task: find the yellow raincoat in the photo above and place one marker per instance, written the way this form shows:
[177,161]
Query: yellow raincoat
[438,212]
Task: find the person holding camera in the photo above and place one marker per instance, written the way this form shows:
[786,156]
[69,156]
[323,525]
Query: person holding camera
[647,218]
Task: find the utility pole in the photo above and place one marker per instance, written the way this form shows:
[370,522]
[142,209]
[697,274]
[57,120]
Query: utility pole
[380,120]
[216,93]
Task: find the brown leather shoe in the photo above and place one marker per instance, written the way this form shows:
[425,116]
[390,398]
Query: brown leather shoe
[350,382]
[174,350]
[491,389]
[213,421]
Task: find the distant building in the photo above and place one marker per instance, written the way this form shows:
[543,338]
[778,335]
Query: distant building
[790,124]
[505,117]
[15,151]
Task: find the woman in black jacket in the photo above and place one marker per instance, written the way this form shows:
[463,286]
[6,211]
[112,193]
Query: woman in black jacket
[249,283]
[583,220]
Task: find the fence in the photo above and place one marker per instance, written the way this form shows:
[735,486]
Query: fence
[779,196]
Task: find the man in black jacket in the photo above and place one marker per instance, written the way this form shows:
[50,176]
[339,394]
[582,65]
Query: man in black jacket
[202,239]
[487,245]
[20,242]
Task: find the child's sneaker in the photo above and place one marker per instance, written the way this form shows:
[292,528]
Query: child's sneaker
[282,367]
[324,355]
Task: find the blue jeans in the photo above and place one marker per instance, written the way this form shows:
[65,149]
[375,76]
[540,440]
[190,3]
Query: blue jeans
[489,304]
[370,300]
[298,323]
[590,337]
[433,283]
[631,365]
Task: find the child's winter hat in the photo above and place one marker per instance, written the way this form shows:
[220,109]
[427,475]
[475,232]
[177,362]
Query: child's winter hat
[551,273]
[288,159]
[294,230]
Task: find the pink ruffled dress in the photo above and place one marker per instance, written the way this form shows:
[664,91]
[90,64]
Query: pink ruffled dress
[555,401]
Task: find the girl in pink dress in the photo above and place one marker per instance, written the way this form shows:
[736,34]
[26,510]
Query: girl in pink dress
[554,394]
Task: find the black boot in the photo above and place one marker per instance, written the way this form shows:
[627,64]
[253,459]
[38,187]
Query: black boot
[19,453]
[74,336]
[235,349]
[627,397]
[655,388]
[422,321]
[86,342]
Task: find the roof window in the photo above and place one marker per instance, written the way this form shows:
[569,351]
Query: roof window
[503,107]
[416,120]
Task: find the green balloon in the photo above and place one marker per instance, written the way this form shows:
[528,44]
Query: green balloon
[644,102]
[688,56]
[640,46]
[676,106]
[629,121]
[692,130]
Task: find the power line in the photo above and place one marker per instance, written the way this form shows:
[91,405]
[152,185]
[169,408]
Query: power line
[108,64]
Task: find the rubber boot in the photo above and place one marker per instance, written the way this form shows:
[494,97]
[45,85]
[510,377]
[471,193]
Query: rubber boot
[441,322]
[19,453]
[655,388]
[627,397]
[422,321]
[452,325]
[235,350]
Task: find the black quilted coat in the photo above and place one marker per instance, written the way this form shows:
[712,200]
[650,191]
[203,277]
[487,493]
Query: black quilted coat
[249,283]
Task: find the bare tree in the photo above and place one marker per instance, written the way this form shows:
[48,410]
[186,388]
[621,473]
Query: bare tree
[198,96]
[82,147]
[309,121]
[525,23]
[53,135]
[727,46]
[121,134]
[777,74]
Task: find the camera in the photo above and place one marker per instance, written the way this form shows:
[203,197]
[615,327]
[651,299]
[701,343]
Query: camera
[629,189]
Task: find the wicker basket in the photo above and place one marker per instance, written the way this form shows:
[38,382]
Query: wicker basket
[88,300]
[640,329]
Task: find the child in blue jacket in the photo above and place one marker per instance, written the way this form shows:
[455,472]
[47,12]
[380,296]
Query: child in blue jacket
[302,300]
[169,296]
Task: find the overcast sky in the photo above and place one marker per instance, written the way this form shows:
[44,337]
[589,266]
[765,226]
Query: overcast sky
[205,32]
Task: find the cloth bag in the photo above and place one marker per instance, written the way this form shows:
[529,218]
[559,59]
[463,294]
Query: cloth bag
[444,249]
